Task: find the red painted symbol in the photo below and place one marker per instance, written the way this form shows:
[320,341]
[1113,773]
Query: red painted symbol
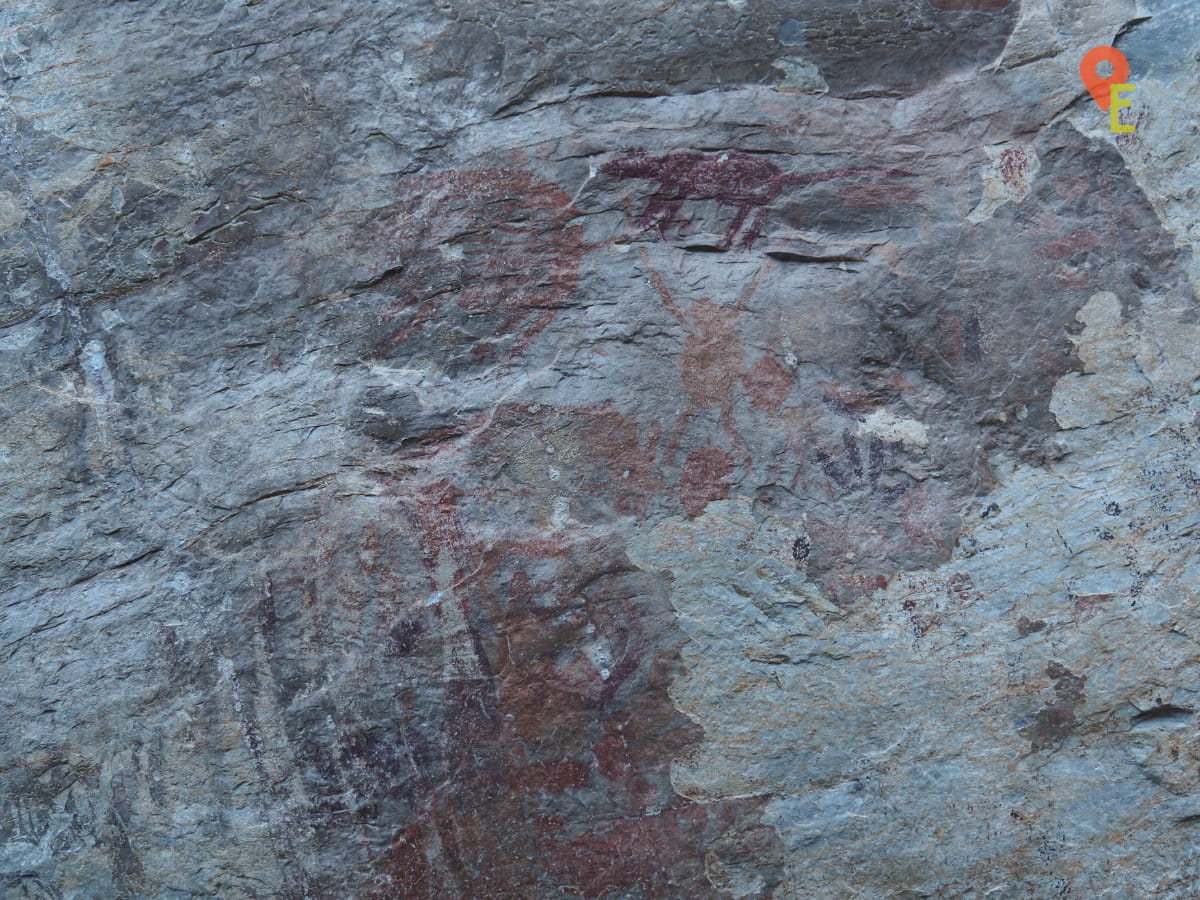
[1100,88]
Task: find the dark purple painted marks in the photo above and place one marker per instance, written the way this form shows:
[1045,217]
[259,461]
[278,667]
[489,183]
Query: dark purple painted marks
[514,727]
[505,716]
[849,469]
[749,184]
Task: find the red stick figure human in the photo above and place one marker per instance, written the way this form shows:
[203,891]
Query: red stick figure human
[713,355]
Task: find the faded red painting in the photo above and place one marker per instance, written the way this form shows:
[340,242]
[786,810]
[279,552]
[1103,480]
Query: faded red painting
[476,262]
[551,764]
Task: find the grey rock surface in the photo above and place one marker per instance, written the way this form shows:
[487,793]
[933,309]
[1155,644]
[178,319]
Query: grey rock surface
[692,449]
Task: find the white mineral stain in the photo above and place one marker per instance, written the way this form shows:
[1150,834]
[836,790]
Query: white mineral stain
[799,76]
[17,337]
[94,363]
[561,516]
[600,657]
[1111,377]
[12,212]
[180,582]
[450,252]
[110,319]
[891,427]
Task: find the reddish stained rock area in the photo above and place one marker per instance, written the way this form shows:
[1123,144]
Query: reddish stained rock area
[768,383]
[490,250]
[1053,722]
[652,851]
[874,195]
[551,763]
[528,748]
[706,474]
[413,492]
[1071,243]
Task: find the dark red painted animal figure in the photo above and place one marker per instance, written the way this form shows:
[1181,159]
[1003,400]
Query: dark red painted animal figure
[747,183]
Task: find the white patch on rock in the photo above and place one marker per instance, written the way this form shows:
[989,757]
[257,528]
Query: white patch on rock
[600,657]
[17,337]
[450,252]
[110,318]
[560,518]
[1111,378]
[96,375]
[12,212]
[891,427]
[800,76]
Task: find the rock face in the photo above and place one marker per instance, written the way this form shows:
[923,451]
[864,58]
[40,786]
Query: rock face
[480,449]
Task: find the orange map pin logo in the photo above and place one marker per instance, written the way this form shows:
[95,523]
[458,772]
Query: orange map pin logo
[1101,88]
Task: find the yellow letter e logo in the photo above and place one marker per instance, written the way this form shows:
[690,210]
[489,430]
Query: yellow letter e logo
[1114,110]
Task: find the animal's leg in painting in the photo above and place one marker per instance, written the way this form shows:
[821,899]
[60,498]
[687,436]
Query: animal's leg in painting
[756,227]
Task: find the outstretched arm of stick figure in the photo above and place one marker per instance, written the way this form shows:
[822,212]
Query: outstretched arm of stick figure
[661,287]
[750,289]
